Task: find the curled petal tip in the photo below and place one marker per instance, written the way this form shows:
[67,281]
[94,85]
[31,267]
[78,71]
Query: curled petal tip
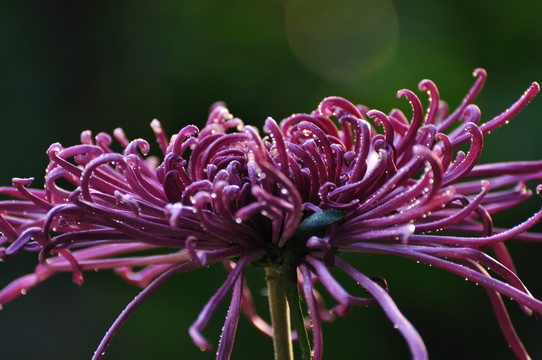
[54,149]
[425,85]
[155,125]
[22,181]
[479,72]
[530,93]
[402,92]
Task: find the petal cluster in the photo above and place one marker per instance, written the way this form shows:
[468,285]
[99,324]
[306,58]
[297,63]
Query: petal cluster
[404,186]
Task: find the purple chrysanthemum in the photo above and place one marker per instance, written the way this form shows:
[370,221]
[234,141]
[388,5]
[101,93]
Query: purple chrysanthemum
[313,187]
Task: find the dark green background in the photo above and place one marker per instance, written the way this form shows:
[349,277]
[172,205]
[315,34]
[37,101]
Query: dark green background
[67,66]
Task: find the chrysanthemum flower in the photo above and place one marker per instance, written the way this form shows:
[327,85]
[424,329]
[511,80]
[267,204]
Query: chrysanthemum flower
[341,179]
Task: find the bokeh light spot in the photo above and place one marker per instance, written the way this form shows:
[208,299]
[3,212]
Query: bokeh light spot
[343,40]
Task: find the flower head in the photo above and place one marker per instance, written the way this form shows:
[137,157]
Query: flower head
[340,179]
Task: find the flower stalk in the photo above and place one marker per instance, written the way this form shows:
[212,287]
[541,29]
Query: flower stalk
[280,313]
[294,302]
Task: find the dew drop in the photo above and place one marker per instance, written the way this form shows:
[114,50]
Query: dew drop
[284,191]
[395,326]
[23,291]
[238,220]
[213,195]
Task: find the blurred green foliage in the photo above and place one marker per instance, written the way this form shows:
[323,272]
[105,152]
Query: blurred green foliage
[67,66]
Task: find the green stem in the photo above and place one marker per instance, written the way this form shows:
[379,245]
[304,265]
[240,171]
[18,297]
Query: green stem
[280,314]
[282,285]
[292,294]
